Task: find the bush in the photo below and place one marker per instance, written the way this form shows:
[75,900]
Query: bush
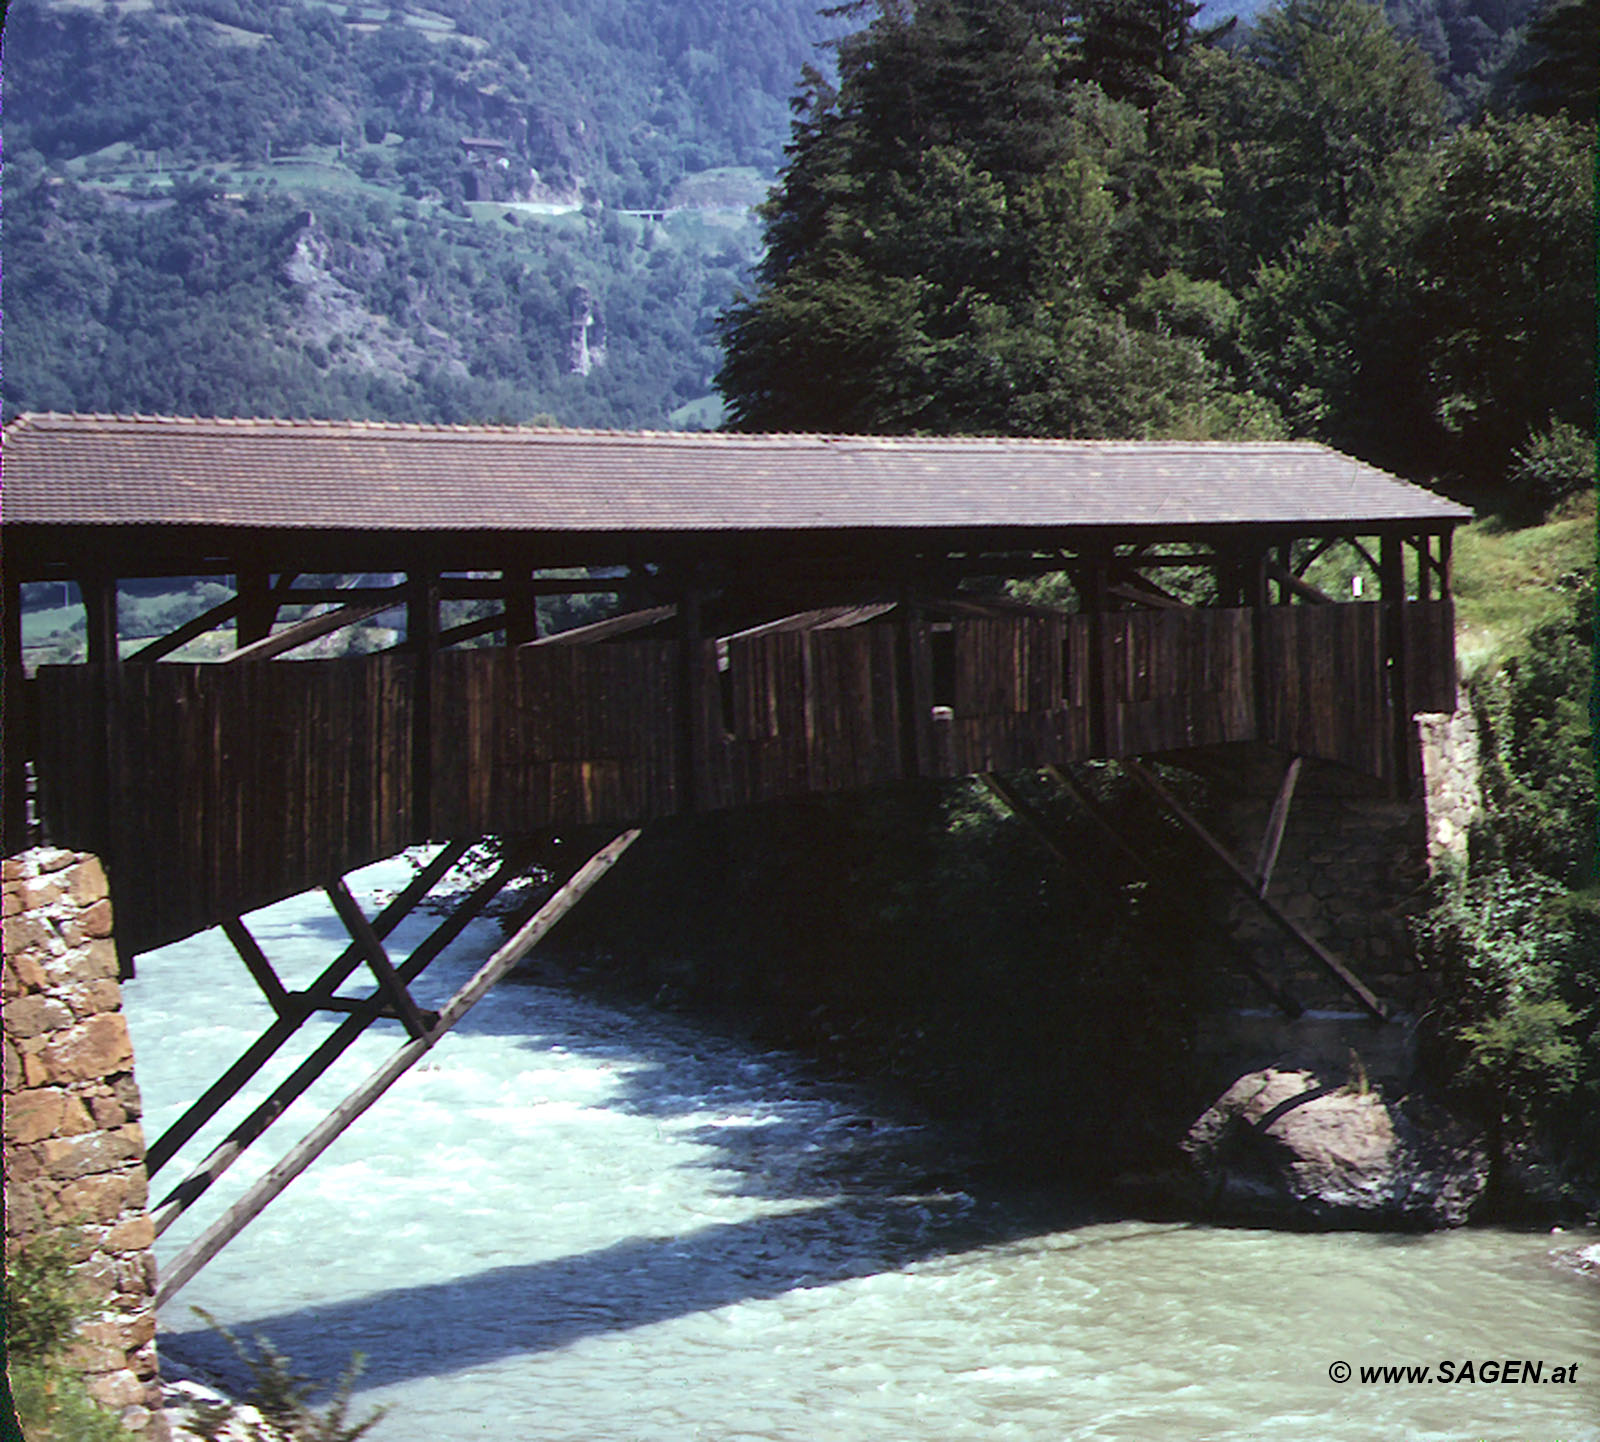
[44,1304]
[1552,464]
[283,1396]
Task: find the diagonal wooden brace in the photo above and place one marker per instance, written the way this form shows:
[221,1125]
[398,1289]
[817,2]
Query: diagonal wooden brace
[188,1262]
[372,952]
[1341,973]
[262,1050]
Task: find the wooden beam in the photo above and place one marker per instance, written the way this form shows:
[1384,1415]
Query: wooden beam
[1301,587]
[605,630]
[183,1267]
[259,967]
[1030,815]
[521,616]
[1280,996]
[363,1011]
[372,952]
[198,626]
[1341,973]
[490,588]
[1141,596]
[422,640]
[1277,822]
[258,603]
[312,627]
[13,727]
[470,630]
[227,1086]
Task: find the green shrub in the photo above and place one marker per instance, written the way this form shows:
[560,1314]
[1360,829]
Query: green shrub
[283,1396]
[44,1304]
[1552,464]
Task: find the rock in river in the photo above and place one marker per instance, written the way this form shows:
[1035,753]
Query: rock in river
[1282,1147]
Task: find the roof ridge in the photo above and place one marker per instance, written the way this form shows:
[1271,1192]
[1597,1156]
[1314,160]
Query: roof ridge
[90,420]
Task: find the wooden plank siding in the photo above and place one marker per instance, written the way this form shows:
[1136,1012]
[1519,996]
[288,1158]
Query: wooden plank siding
[1177,679]
[1324,692]
[237,785]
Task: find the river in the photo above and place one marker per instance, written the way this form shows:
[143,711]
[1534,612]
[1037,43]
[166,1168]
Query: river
[582,1221]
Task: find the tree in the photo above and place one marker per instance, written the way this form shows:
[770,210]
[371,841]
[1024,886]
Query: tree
[958,223]
[1452,322]
[1321,101]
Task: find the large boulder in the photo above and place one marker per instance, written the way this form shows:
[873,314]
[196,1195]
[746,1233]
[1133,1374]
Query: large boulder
[1283,1148]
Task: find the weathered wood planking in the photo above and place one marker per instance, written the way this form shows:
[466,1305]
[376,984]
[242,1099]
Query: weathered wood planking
[1020,692]
[1324,684]
[1177,679]
[812,711]
[552,735]
[1428,631]
[232,786]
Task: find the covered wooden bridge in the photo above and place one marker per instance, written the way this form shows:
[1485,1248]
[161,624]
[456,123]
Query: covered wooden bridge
[794,614]
[785,615]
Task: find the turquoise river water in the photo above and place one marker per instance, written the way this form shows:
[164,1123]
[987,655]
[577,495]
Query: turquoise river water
[580,1222]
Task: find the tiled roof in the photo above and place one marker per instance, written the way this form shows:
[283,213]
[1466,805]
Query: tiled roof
[158,471]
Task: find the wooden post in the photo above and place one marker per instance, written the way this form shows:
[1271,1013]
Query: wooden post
[1049,834]
[223,1090]
[100,615]
[1095,589]
[361,932]
[14,743]
[1392,590]
[422,639]
[360,1013]
[1277,823]
[183,1267]
[694,741]
[918,744]
[257,607]
[522,608]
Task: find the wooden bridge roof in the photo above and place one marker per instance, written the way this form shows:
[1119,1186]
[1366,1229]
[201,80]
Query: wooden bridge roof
[96,474]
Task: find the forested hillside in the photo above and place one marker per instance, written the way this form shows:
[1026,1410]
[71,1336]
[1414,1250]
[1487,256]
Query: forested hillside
[251,207]
[497,210]
[998,223]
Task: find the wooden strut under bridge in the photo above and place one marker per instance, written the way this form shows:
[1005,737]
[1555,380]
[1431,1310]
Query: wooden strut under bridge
[1253,883]
[427,1030]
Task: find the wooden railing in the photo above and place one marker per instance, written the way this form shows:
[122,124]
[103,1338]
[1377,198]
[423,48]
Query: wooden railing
[215,789]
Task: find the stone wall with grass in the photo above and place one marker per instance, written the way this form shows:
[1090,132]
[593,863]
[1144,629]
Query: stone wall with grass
[74,1146]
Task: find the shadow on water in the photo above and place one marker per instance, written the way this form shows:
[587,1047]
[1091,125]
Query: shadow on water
[522,1310]
[874,1188]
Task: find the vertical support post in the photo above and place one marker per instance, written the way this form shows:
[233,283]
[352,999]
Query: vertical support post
[100,614]
[522,608]
[696,735]
[1255,593]
[422,639]
[918,747]
[14,732]
[257,609]
[1096,579]
[1392,590]
[1445,577]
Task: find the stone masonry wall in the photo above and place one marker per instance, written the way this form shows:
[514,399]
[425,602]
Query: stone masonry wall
[74,1147]
[1351,870]
[1454,796]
